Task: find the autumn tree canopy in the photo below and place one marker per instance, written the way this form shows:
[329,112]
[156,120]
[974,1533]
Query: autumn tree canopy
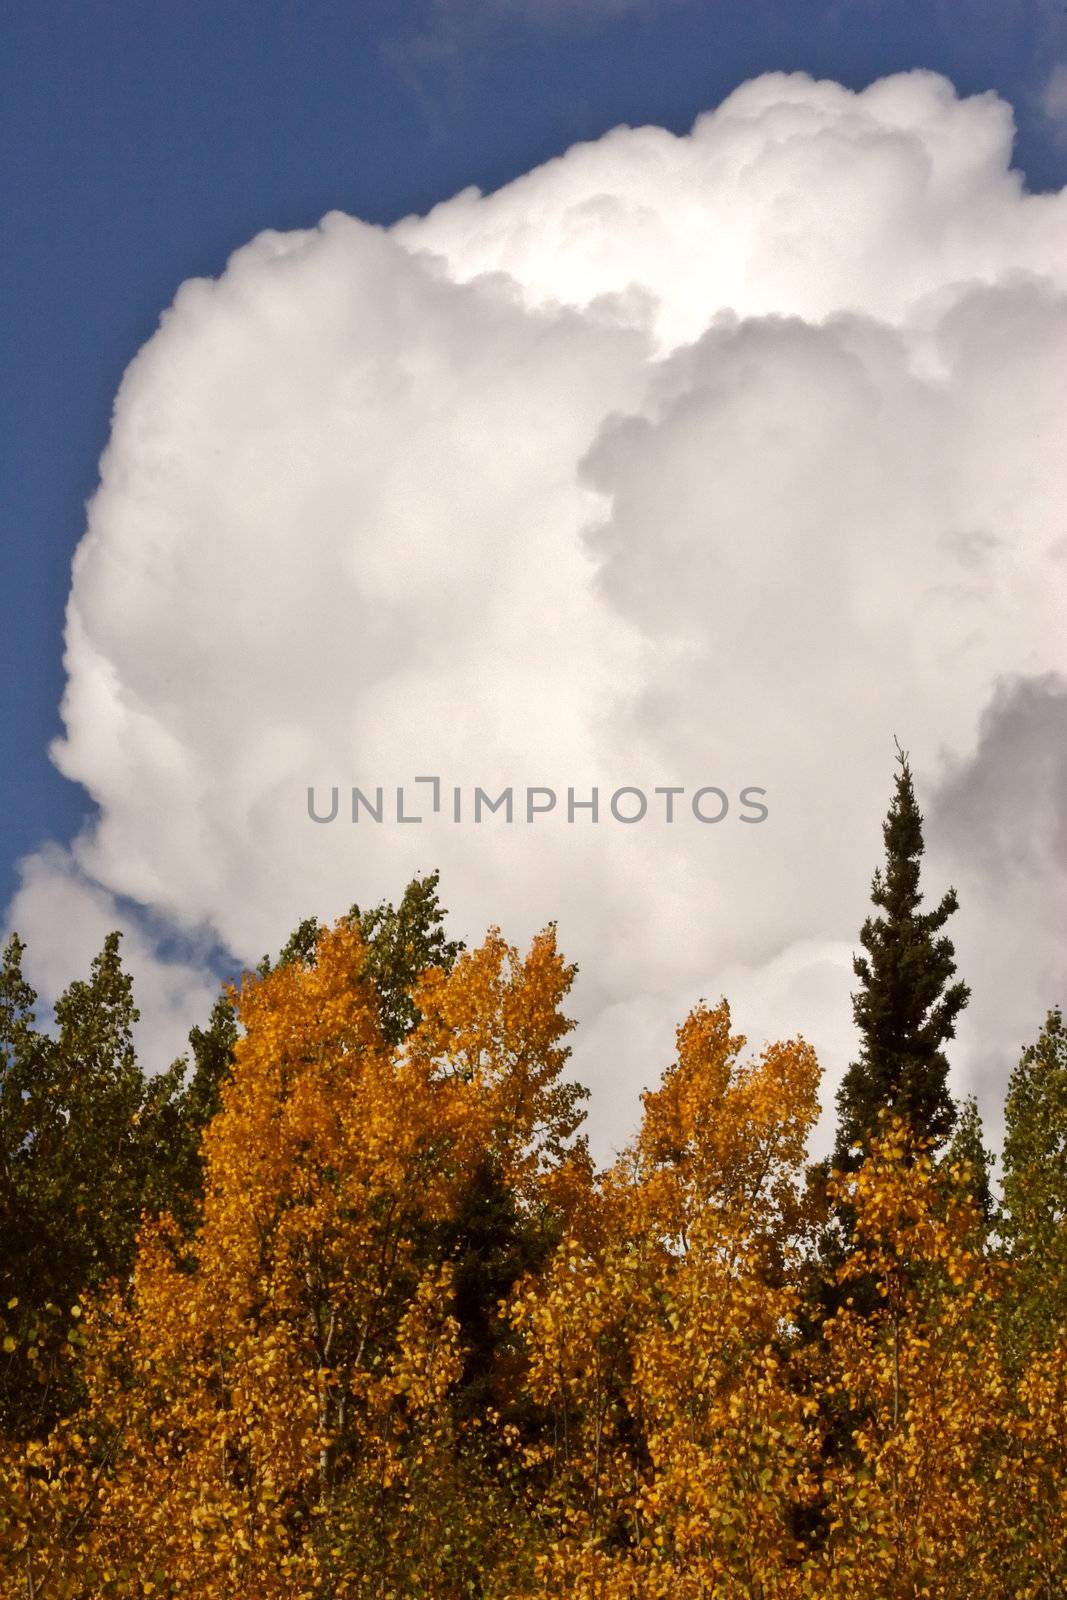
[353,1316]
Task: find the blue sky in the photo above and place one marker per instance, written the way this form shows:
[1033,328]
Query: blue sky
[142,144]
[716,459]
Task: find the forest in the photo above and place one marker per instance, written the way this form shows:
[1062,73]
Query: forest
[338,1307]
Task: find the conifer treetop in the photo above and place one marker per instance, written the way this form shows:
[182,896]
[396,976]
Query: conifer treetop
[907,1004]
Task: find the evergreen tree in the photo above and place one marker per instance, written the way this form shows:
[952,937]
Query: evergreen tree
[491,1242]
[906,1007]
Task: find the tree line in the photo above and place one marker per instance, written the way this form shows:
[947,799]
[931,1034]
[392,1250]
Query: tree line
[339,1306]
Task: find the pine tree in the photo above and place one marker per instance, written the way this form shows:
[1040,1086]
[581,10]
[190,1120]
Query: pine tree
[906,1007]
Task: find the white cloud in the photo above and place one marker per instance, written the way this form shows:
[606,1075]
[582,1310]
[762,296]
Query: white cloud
[703,460]
[64,919]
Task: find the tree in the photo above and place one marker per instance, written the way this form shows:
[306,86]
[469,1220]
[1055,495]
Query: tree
[491,1243]
[271,1401]
[910,1502]
[968,1163]
[489,1240]
[1034,1216]
[400,944]
[906,1007]
[182,1103]
[681,1445]
[83,1138]
[411,1345]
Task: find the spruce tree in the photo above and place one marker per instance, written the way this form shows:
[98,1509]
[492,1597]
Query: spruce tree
[907,1005]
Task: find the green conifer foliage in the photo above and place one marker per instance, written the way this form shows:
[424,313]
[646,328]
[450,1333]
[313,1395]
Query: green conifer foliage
[907,1004]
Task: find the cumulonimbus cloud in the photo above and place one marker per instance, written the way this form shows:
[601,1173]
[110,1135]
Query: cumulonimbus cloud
[707,460]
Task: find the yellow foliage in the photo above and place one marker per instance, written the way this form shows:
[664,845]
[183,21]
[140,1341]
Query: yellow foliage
[282,1405]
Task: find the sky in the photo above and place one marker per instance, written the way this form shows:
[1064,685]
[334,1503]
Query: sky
[669,398]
